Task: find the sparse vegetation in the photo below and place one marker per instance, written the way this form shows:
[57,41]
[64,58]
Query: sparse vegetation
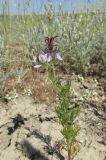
[81,40]
[76,42]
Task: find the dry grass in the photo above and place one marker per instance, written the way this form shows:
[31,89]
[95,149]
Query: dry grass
[34,84]
[43,91]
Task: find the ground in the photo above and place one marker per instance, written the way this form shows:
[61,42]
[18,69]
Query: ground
[30,130]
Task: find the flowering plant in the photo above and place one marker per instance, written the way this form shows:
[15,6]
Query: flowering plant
[66,115]
[48,54]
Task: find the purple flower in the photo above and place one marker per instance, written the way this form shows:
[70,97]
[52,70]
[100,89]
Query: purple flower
[58,57]
[49,57]
[46,58]
[42,57]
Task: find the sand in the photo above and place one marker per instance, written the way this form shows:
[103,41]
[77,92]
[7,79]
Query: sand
[31,131]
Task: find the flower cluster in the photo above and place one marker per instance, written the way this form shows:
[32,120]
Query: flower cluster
[48,55]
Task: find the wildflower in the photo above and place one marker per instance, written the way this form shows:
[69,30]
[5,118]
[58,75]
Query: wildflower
[50,43]
[42,57]
[48,55]
[58,57]
[45,58]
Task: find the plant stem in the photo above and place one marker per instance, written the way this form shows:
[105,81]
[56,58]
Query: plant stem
[54,74]
[69,151]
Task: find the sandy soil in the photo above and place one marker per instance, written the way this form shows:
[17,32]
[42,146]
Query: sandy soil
[31,131]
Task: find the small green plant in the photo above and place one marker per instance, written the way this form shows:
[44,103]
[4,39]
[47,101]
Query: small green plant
[67,116]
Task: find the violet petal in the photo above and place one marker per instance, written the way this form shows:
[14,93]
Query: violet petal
[42,57]
[49,57]
[58,57]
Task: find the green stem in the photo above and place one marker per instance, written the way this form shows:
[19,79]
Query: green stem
[53,68]
[69,151]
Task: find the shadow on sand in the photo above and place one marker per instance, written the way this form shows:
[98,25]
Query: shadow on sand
[47,140]
[31,152]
